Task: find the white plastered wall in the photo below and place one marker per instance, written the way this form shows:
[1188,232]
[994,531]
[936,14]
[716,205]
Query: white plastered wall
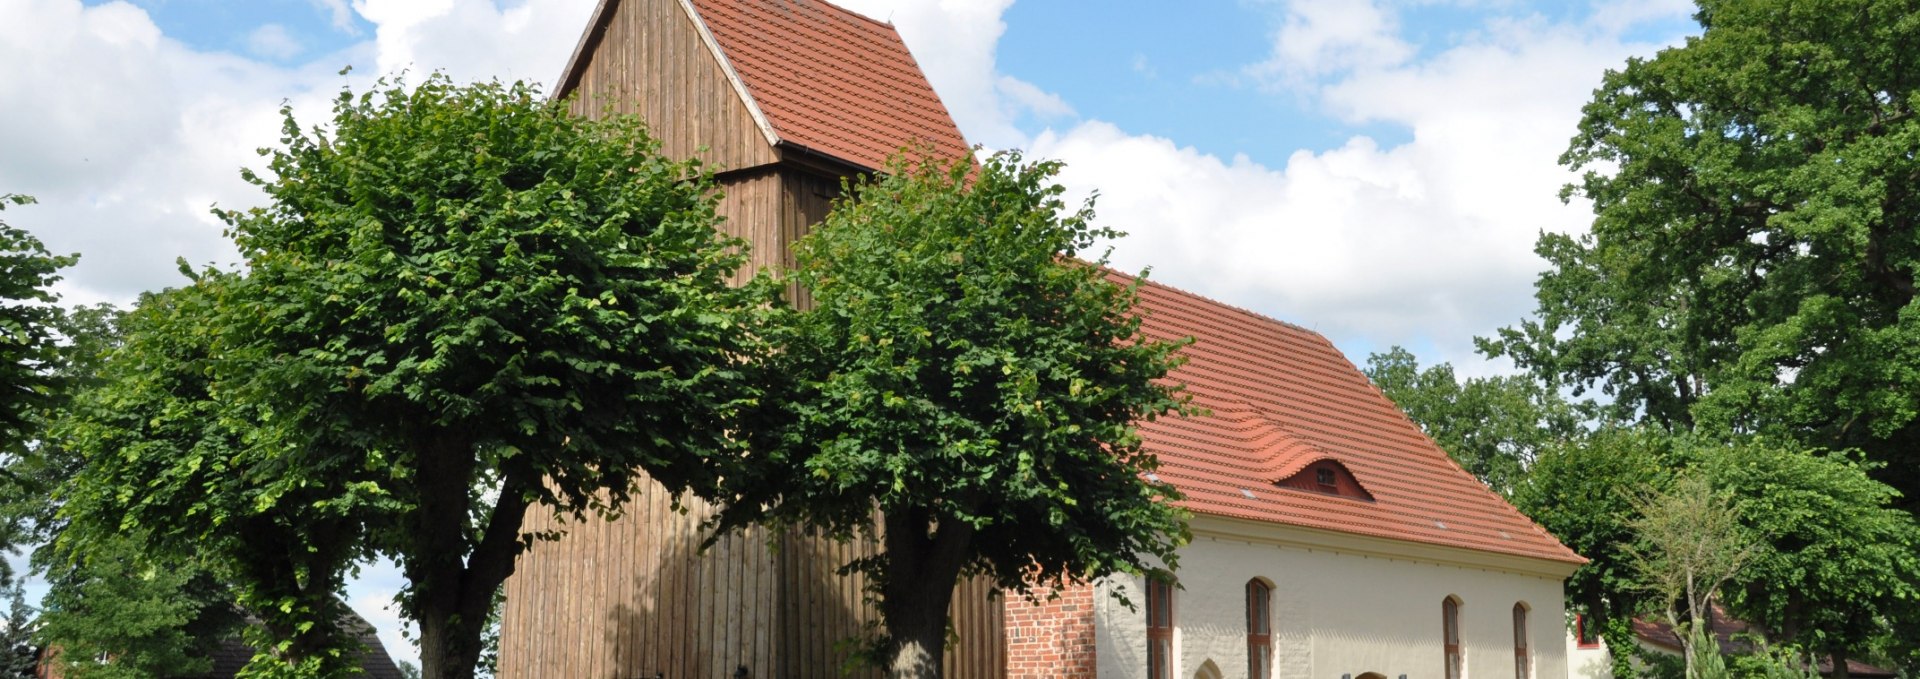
[1589,662]
[1334,613]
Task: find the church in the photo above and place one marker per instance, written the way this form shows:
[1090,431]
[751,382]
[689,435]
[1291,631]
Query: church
[1331,537]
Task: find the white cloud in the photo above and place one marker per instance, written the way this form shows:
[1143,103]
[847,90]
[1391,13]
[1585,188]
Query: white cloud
[1424,243]
[476,39]
[1025,96]
[1321,37]
[273,41]
[339,14]
[128,137]
[1619,15]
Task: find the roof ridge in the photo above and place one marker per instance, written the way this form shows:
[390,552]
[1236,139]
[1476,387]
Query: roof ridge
[1143,278]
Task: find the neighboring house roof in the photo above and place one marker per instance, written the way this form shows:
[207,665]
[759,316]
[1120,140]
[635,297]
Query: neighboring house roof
[1282,397]
[232,654]
[1725,628]
[816,76]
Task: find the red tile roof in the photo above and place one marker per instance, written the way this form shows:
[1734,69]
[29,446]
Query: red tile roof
[831,80]
[1282,397]
[815,75]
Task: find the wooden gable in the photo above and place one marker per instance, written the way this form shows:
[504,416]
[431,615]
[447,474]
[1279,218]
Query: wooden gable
[656,60]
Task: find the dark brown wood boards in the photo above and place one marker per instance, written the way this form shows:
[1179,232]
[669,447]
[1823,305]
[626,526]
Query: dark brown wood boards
[634,597]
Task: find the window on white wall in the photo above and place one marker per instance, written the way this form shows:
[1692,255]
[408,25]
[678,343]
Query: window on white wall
[1259,630]
[1522,664]
[1159,629]
[1450,635]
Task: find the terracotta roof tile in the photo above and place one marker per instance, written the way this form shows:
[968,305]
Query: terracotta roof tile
[1282,397]
[831,80]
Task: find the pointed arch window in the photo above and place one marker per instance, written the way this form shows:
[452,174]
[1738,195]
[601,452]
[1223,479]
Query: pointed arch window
[1259,630]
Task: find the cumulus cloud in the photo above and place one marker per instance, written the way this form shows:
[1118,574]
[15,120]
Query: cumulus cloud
[127,137]
[1321,37]
[476,39]
[1423,243]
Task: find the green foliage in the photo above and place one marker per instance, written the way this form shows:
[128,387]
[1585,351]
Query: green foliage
[1768,661]
[461,302]
[19,650]
[1751,266]
[1689,541]
[1703,656]
[1838,561]
[964,374]
[117,612]
[29,322]
[1752,261]
[1493,426]
[1580,491]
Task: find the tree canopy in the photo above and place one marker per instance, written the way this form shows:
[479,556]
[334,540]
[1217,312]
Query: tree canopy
[1756,236]
[29,330]
[961,372]
[1494,427]
[1837,564]
[461,302]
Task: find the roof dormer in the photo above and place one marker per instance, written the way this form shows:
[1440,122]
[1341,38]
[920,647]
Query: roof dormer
[1327,476]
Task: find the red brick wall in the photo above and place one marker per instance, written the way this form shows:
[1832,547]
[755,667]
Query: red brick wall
[1053,638]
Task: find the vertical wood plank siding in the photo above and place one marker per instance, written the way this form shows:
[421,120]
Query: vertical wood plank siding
[634,597]
[653,63]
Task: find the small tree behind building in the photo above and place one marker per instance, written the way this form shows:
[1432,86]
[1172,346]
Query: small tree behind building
[1690,543]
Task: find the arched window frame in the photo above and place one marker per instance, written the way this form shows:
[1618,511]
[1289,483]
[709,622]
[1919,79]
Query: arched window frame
[1455,662]
[1259,629]
[1522,657]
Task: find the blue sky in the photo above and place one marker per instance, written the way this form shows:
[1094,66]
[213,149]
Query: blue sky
[1374,169]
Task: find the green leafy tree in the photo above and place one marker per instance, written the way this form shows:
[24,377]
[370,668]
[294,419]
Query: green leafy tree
[1751,265]
[1493,426]
[1581,491]
[29,336]
[1689,543]
[964,375]
[460,304]
[19,649]
[1838,562]
[116,611]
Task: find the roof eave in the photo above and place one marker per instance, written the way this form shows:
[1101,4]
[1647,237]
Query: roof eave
[589,39]
[733,76]
[1253,530]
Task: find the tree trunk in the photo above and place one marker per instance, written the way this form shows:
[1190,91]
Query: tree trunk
[917,588]
[454,578]
[1839,657]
